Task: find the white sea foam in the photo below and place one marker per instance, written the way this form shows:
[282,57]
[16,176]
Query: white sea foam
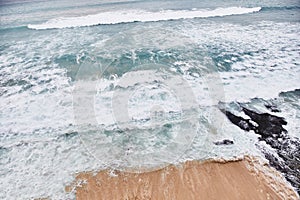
[127,16]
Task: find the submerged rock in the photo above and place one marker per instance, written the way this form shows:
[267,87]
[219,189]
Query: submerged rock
[224,142]
[272,108]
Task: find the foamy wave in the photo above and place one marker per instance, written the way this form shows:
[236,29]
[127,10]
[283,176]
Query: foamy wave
[128,16]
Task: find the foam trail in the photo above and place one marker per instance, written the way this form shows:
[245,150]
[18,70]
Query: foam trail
[128,16]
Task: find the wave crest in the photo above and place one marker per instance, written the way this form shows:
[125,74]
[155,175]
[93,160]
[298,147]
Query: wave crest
[129,16]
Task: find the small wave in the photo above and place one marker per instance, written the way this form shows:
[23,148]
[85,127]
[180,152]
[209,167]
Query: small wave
[128,16]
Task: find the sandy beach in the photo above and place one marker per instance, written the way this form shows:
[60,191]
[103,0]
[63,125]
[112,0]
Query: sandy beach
[248,178]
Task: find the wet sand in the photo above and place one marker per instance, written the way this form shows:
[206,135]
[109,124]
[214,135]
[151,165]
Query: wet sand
[249,178]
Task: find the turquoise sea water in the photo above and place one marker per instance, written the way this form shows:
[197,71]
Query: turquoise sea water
[87,85]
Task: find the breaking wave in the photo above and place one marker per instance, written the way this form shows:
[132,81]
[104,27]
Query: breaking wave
[129,16]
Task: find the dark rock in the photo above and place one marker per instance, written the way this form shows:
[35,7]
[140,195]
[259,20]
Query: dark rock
[224,142]
[244,124]
[268,125]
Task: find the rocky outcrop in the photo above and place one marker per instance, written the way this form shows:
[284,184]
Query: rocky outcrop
[271,131]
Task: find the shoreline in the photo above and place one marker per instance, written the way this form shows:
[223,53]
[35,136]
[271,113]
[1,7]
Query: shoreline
[247,178]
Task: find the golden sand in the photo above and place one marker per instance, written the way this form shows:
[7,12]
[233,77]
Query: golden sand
[244,179]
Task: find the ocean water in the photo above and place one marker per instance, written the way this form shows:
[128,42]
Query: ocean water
[135,85]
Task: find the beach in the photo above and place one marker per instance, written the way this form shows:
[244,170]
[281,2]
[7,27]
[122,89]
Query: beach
[247,178]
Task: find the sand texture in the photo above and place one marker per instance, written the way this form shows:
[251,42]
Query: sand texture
[245,179]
